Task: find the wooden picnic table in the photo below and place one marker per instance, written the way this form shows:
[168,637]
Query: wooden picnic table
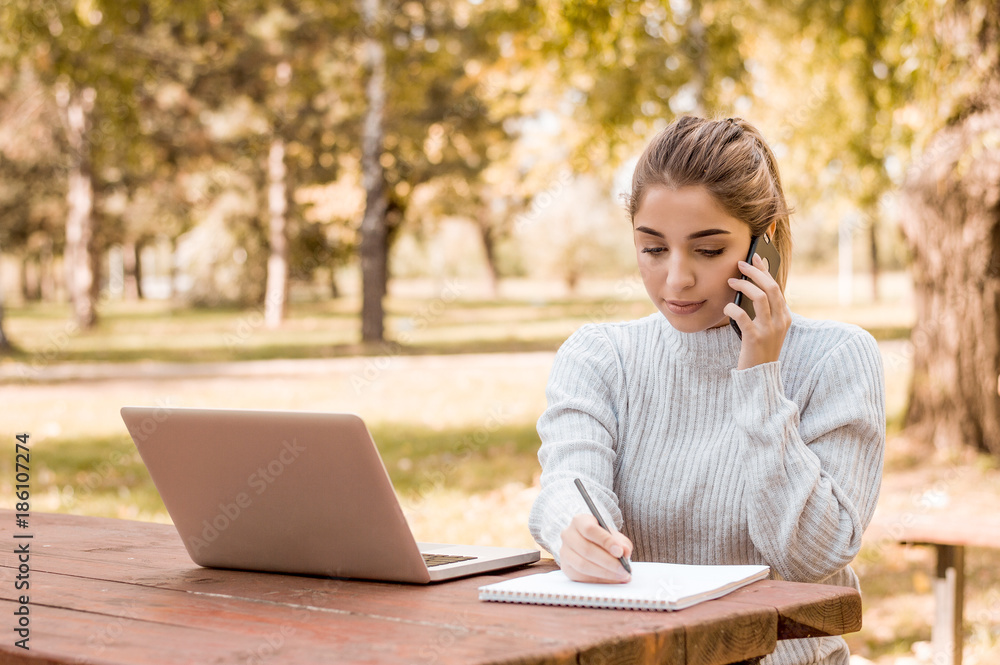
[120,591]
[949,534]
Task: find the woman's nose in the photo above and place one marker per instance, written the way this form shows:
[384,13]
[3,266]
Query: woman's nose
[680,274]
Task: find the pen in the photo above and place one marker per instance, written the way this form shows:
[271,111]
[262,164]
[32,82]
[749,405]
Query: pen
[593,510]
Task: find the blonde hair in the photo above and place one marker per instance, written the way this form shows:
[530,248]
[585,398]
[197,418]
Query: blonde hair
[730,159]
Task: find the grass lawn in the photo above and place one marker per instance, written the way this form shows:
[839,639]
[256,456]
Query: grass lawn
[418,321]
[105,476]
[159,331]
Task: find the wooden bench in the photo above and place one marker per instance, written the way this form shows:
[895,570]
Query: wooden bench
[949,534]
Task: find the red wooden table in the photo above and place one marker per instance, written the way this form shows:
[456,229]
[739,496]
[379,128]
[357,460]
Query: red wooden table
[118,591]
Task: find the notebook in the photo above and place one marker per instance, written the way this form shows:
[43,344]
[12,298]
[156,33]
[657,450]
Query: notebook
[291,492]
[654,586]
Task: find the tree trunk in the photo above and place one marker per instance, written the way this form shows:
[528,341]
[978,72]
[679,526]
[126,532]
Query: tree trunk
[951,218]
[873,253]
[173,269]
[334,286]
[98,263]
[276,292]
[47,283]
[374,235]
[141,295]
[571,278]
[870,156]
[80,203]
[486,234]
[131,291]
[31,271]
[5,345]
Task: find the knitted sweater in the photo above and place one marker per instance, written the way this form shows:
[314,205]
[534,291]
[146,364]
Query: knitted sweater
[698,462]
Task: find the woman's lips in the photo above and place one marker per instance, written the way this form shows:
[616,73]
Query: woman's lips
[684,306]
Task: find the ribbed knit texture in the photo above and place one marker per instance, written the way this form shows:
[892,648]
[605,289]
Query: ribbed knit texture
[698,462]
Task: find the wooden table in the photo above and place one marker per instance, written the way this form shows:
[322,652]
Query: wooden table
[949,534]
[118,591]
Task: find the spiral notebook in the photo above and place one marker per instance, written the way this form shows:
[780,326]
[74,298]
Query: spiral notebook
[654,586]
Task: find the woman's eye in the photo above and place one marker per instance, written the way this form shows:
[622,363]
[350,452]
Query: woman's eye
[653,250]
[711,252]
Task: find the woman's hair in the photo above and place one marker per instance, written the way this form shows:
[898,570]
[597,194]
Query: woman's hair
[730,159]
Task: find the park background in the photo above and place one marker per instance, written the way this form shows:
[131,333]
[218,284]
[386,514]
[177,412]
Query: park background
[402,208]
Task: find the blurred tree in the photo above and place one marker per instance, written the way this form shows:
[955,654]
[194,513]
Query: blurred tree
[272,89]
[580,233]
[74,49]
[949,215]
[148,195]
[630,66]
[104,64]
[32,179]
[483,173]
[77,105]
[374,245]
[443,117]
[592,81]
[853,48]
[328,237]
[27,157]
[5,344]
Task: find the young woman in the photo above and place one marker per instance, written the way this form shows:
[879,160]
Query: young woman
[701,447]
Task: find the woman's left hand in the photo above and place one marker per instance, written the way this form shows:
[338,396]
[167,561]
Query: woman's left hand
[764,335]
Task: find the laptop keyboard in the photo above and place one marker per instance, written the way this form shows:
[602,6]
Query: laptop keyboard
[441,559]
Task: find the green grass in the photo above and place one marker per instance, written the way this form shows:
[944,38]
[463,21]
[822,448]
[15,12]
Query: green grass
[158,331]
[469,460]
[161,331]
[95,476]
[105,476]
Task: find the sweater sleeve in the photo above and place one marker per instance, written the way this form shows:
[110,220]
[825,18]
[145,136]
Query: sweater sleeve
[578,431]
[813,474]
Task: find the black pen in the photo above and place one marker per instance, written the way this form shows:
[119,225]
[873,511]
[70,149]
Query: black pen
[593,510]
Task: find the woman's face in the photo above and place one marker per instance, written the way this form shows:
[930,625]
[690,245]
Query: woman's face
[687,248]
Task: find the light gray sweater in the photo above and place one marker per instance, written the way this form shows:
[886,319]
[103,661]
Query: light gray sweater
[698,462]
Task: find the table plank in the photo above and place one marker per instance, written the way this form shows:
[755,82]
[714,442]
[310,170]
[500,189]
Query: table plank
[111,610]
[66,636]
[799,614]
[936,529]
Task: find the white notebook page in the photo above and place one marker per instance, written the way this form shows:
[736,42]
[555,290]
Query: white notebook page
[654,586]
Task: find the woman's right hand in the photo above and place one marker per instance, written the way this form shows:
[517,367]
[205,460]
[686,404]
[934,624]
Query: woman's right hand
[590,553]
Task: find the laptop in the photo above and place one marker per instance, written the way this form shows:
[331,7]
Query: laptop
[291,492]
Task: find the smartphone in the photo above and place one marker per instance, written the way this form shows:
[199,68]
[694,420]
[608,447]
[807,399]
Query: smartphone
[762,246]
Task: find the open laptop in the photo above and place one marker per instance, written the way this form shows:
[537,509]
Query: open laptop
[291,492]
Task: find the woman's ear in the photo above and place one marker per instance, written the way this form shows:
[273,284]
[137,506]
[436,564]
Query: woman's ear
[771,229]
